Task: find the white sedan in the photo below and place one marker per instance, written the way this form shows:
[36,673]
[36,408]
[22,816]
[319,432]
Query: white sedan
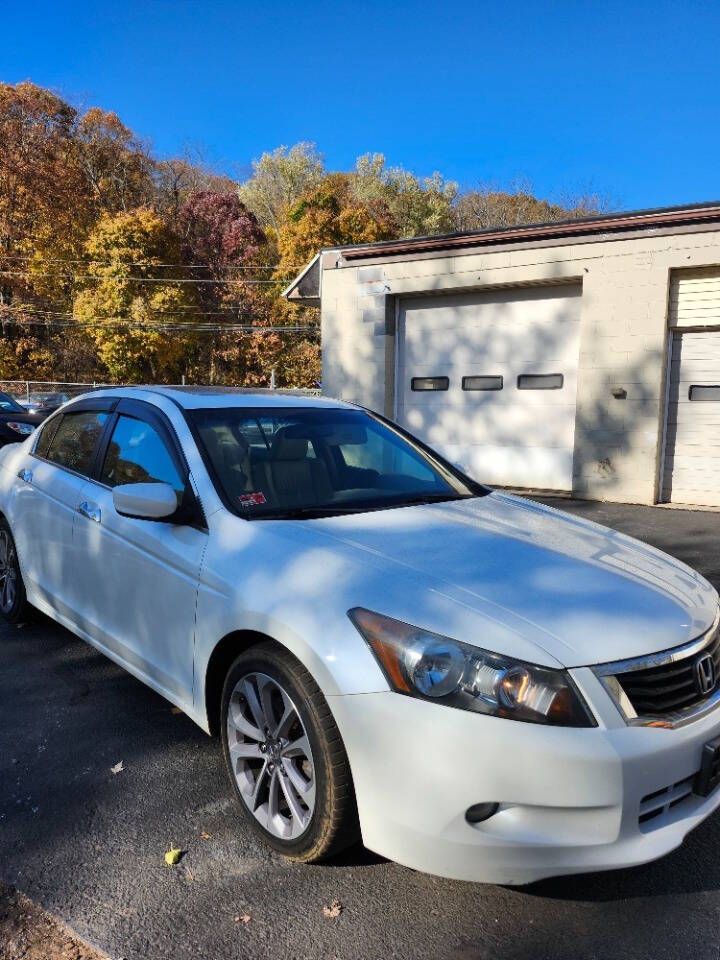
[478,686]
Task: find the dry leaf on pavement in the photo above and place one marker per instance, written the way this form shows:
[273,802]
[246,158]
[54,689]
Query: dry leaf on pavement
[334,910]
[118,768]
[243,918]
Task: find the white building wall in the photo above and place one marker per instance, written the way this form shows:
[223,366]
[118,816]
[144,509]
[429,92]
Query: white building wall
[623,341]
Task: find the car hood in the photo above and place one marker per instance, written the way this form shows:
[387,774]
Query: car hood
[25,417]
[583,593]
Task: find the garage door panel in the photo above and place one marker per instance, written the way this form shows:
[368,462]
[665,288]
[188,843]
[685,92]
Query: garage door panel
[513,428]
[510,436]
[691,470]
[508,466]
[447,345]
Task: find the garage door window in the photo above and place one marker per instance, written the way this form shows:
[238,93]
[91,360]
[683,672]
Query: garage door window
[703,392]
[482,383]
[429,383]
[540,381]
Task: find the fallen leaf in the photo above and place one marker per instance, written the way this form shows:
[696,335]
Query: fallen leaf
[205,836]
[173,856]
[334,910]
[118,768]
[175,710]
[243,918]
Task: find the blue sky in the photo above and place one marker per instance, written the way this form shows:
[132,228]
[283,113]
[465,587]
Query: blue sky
[619,97]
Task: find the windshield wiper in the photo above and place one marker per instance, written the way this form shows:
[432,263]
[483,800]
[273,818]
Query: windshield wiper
[332,510]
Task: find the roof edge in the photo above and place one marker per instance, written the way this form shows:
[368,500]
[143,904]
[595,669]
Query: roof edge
[604,223]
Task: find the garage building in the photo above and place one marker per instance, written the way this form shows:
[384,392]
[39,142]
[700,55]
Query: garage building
[581,356]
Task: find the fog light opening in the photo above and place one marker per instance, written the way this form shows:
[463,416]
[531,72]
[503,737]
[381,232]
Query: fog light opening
[481,811]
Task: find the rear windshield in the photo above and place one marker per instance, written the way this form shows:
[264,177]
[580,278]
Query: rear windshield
[295,463]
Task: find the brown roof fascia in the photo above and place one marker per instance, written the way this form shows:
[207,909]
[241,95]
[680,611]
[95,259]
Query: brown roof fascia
[676,216]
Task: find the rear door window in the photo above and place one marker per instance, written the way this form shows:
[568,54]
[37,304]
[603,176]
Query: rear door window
[73,443]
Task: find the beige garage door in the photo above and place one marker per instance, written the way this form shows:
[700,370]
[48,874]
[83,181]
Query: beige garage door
[490,380]
[692,459]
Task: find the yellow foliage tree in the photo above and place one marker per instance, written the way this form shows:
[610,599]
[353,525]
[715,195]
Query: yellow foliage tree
[126,289]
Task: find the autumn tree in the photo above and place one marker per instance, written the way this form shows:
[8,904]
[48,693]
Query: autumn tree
[414,207]
[279,180]
[488,206]
[222,241]
[116,165]
[129,289]
[328,215]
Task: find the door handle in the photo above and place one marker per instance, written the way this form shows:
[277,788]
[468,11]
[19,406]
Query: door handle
[25,475]
[89,510]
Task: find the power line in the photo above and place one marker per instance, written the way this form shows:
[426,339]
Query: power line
[189,311]
[90,276]
[131,263]
[163,327]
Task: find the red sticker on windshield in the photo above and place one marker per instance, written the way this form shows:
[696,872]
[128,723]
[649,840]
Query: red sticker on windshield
[251,499]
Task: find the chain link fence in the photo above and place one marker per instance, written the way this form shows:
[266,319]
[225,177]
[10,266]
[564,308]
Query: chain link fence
[54,392]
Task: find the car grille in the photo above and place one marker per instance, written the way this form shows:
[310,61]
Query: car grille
[670,687]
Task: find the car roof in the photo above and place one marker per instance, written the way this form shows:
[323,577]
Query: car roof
[196,397]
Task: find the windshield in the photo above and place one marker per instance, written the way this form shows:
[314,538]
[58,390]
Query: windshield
[7,404]
[295,463]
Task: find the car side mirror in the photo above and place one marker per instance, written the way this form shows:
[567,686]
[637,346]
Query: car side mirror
[145,501]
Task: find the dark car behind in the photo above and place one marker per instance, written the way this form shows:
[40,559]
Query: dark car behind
[15,421]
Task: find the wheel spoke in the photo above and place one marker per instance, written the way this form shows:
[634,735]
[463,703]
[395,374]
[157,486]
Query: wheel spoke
[266,687]
[237,718]
[287,719]
[258,786]
[298,748]
[305,787]
[254,704]
[243,750]
[293,800]
[274,795]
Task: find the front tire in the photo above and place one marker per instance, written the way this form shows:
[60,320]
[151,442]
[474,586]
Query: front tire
[13,603]
[285,756]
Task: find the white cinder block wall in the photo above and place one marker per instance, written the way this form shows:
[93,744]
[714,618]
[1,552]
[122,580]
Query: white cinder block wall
[623,341]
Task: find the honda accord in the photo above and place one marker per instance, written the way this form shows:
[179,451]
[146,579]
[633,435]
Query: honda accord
[476,685]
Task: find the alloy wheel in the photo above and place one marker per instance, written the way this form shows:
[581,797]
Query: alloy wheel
[8,572]
[270,756]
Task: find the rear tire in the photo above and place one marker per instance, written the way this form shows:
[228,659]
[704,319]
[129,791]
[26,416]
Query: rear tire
[13,602]
[285,757]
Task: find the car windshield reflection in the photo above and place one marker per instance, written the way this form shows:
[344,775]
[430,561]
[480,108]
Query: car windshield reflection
[305,463]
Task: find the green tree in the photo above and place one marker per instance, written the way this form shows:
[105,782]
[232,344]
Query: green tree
[278,181]
[415,207]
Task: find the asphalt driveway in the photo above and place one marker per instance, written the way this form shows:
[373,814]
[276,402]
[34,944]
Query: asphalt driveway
[88,843]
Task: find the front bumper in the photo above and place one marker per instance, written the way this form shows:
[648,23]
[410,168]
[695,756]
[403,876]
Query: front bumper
[571,800]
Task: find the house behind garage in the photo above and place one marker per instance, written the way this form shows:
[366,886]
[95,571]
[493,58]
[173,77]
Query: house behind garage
[581,356]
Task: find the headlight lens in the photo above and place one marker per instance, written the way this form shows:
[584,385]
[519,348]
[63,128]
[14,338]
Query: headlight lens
[24,428]
[429,666]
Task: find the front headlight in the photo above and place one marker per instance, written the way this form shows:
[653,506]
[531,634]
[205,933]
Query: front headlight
[24,428]
[421,664]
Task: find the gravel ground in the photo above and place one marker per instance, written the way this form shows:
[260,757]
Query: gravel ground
[88,843]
